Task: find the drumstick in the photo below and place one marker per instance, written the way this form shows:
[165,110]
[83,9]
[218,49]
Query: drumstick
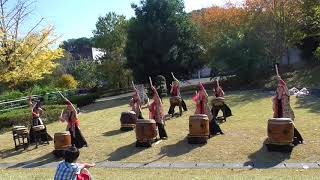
[61,95]
[133,85]
[61,113]
[150,81]
[277,71]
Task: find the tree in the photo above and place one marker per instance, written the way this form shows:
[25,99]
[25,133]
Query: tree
[110,37]
[87,74]
[310,28]
[276,22]
[162,39]
[80,48]
[215,22]
[24,59]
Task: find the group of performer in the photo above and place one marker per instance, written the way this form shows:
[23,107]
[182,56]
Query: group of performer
[281,108]
[156,109]
[70,116]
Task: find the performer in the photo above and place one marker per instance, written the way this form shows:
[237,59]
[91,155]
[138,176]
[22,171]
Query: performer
[201,100]
[219,93]
[73,126]
[36,111]
[156,112]
[175,91]
[136,103]
[282,108]
[214,126]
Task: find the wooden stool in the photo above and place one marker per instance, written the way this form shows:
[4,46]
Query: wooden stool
[20,137]
[38,132]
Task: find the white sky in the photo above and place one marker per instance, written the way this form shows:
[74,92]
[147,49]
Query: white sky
[198,4]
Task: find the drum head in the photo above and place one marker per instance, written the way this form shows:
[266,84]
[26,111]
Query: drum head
[148,121]
[17,127]
[280,120]
[66,133]
[199,115]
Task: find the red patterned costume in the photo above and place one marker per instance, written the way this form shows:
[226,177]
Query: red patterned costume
[136,104]
[201,100]
[282,108]
[157,113]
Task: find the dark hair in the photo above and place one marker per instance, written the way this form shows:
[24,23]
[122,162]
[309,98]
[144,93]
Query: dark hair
[71,154]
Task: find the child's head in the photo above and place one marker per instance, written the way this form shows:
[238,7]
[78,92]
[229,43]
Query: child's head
[71,155]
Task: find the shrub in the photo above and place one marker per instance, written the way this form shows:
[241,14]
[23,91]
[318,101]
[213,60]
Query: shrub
[67,81]
[23,116]
[42,90]
[84,100]
[9,95]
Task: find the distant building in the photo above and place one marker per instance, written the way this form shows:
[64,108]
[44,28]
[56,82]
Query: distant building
[202,73]
[293,56]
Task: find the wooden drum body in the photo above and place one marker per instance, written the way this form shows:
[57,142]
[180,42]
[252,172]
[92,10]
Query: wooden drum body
[280,131]
[175,101]
[146,132]
[198,129]
[62,141]
[128,120]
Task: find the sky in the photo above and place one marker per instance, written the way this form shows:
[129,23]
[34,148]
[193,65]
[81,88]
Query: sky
[77,18]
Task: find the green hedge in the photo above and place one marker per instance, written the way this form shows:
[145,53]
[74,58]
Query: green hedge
[77,100]
[23,116]
[84,100]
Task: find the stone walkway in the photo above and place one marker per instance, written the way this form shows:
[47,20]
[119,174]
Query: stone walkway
[164,165]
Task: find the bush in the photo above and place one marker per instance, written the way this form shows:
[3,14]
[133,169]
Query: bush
[23,116]
[9,95]
[81,101]
[67,81]
[43,90]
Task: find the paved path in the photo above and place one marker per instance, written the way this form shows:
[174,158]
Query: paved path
[164,165]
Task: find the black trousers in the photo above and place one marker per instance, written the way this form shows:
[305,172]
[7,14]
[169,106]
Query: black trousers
[44,134]
[297,137]
[224,108]
[183,106]
[162,131]
[140,116]
[214,127]
[78,140]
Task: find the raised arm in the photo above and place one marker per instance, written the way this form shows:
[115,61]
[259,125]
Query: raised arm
[154,89]
[69,103]
[30,103]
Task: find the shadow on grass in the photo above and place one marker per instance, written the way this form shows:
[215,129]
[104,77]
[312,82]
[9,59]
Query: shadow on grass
[263,159]
[113,133]
[312,103]
[243,97]
[40,161]
[124,152]
[11,152]
[102,105]
[180,148]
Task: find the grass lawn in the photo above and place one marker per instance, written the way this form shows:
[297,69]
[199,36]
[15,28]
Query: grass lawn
[43,174]
[245,134]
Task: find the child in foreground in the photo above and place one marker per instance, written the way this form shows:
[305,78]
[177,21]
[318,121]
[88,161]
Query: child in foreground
[70,170]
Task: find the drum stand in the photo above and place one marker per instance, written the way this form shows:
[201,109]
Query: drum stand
[21,136]
[127,127]
[145,143]
[192,139]
[278,147]
[38,134]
